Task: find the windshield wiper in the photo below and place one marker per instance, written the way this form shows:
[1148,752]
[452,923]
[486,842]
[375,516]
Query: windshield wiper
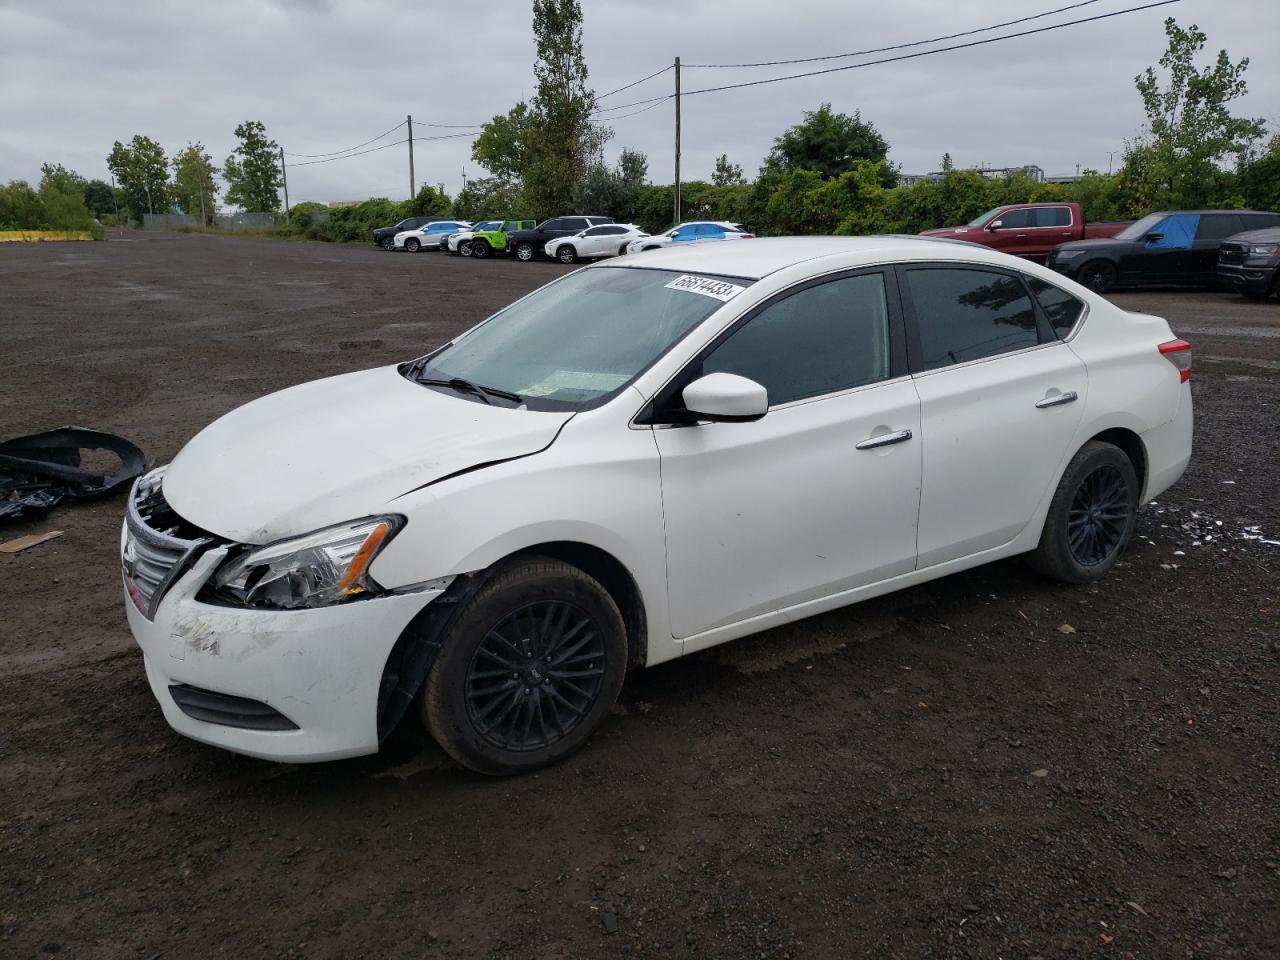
[484,393]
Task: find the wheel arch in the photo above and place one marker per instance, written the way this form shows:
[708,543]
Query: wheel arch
[1130,443]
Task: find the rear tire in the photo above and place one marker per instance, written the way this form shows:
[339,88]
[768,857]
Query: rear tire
[567,254]
[412,245]
[1091,517]
[529,669]
[622,250]
[1098,275]
[524,251]
[481,250]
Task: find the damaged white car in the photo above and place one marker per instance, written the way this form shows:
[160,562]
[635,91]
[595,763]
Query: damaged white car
[639,460]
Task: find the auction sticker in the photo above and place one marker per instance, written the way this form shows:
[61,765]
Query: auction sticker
[708,287]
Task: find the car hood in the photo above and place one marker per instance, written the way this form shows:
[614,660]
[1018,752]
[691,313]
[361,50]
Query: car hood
[337,449]
[1265,235]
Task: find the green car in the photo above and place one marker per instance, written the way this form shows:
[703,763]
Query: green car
[485,243]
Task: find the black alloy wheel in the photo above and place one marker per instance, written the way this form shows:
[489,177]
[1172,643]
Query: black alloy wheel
[1099,275]
[1098,516]
[480,249]
[535,675]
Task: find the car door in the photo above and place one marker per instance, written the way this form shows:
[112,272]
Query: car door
[1000,400]
[820,495]
[1015,226]
[1163,256]
[1201,265]
[598,242]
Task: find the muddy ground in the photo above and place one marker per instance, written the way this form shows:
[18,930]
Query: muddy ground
[986,766]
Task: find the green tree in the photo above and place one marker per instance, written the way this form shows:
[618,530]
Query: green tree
[429,202]
[1258,180]
[488,197]
[613,191]
[20,207]
[562,141]
[726,173]
[194,187]
[947,165]
[252,171]
[100,199]
[506,143]
[143,174]
[1190,125]
[62,198]
[830,144]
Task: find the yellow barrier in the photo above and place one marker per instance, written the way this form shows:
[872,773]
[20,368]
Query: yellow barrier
[34,236]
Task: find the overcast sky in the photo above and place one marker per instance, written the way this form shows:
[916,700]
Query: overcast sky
[324,75]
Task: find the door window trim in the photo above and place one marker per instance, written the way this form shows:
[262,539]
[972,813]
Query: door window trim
[1045,335]
[649,414]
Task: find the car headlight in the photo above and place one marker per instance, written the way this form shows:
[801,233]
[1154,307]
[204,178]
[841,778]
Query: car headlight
[1067,254]
[1263,249]
[319,569]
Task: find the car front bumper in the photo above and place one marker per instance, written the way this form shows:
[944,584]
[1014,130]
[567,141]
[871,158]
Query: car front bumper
[1244,278]
[319,669]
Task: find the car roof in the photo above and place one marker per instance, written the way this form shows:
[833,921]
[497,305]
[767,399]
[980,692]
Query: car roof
[1167,213]
[759,258]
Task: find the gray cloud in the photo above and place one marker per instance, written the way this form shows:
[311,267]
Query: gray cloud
[327,74]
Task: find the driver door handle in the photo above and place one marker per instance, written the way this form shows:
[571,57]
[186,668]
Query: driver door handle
[884,439]
[1057,400]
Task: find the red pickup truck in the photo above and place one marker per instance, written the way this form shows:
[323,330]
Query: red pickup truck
[1028,230]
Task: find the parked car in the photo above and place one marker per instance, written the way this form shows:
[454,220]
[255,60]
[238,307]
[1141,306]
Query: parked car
[460,241]
[1249,262]
[428,236]
[384,237]
[1028,230]
[528,245]
[642,459]
[1167,248]
[485,243]
[693,230]
[606,240]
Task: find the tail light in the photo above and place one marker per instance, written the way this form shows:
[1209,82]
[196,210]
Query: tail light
[1178,352]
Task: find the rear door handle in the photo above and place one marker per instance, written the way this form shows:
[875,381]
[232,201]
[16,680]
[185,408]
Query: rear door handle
[884,440]
[1058,400]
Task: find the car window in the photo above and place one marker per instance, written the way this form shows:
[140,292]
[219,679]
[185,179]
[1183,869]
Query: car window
[1175,232]
[1017,218]
[966,315]
[1217,226]
[825,338]
[574,223]
[598,232]
[1061,307]
[612,231]
[1053,217]
[686,232]
[710,230]
[556,224]
[1260,221]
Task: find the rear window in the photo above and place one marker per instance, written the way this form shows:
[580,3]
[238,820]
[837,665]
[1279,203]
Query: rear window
[1062,308]
[1053,217]
[967,315]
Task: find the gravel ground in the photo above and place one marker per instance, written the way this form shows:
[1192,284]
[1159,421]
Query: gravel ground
[989,765]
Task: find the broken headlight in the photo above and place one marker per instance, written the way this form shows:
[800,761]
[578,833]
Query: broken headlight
[319,569]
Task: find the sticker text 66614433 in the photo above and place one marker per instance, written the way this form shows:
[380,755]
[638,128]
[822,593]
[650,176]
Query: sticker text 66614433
[707,286]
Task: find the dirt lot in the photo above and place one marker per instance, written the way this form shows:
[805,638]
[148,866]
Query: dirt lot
[948,772]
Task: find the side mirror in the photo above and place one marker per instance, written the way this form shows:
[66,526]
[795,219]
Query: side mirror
[726,398]
[995,224]
[1155,237]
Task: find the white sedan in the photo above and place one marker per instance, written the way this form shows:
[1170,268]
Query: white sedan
[688,232]
[642,459]
[609,240]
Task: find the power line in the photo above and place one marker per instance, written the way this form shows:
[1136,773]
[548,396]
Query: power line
[348,150]
[448,126]
[637,83]
[350,155]
[900,46]
[905,56]
[594,119]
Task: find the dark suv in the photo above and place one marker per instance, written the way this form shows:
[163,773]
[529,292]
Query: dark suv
[384,236]
[1249,262]
[527,244]
[1170,247]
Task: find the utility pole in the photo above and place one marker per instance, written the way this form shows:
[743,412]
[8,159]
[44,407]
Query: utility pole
[677,190]
[408,120]
[284,177]
[1110,154]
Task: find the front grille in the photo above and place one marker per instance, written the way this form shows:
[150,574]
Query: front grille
[229,711]
[1231,253]
[158,544]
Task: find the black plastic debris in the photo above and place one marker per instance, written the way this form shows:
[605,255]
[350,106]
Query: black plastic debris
[37,471]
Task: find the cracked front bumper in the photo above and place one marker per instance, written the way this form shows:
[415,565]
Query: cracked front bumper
[320,668]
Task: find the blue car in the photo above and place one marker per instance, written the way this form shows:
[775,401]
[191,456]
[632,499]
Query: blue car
[688,232]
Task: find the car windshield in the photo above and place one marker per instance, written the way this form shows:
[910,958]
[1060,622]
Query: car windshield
[487,225]
[1136,231]
[979,221]
[582,338]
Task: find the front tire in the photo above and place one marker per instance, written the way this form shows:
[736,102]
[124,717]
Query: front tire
[387,243]
[412,245]
[566,254]
[524,251]
[1091,517]
[1099,275]
[528,670]
[464,248]
[481,250]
